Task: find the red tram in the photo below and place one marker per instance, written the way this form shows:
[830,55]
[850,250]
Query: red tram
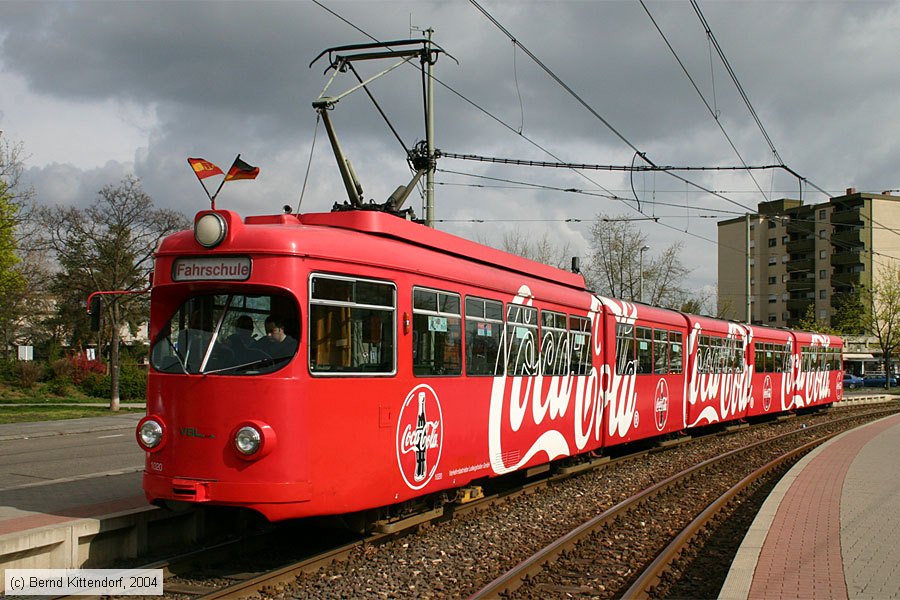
[332,363]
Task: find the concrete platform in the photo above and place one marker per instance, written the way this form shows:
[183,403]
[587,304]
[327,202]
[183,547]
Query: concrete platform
[831,527]
[89,520]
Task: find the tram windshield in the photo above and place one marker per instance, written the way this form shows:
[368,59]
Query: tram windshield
[228,334]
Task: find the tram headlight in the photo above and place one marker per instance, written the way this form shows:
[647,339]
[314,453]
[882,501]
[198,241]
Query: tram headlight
[247,440]
[210,230]
[151,434]
[253,440]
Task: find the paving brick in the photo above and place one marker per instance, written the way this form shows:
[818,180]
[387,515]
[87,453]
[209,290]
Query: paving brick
[831,527]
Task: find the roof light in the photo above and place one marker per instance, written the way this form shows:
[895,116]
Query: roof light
[210,230]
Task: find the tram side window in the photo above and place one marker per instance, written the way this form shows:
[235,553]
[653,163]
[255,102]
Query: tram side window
[660,351]
[625,359]
[352,325]
[437,333]
[760,353]
[644,350]
[555,349]
[521,340]
[676,356]
[805,358]
[484,336]
[703,357]
[738,355]
[580,340]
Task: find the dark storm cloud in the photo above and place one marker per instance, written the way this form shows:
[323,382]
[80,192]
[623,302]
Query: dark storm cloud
[228,77]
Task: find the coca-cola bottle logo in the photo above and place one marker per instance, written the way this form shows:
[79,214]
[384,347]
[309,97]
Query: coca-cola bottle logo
[767,393]
[420,436]
[661,404]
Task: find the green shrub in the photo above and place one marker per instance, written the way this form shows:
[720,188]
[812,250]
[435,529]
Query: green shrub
[60,386]
[8,370]
[95,385]
[132,383]
[29,373]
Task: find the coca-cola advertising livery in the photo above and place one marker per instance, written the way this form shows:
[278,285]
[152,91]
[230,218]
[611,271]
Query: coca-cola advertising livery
[316,364]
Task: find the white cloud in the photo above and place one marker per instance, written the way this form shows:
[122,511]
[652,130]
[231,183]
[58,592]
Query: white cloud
[95,90]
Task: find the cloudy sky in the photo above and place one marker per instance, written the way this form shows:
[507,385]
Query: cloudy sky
[98,90]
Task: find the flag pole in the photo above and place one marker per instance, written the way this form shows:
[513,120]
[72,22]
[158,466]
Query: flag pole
[201,182]
[213,197]
[202,169]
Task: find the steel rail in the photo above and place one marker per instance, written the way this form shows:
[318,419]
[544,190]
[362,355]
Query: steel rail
[181,565]
[642,587]
[515,577]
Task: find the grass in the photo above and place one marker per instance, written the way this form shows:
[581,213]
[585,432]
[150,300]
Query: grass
[41,393]
[26,414]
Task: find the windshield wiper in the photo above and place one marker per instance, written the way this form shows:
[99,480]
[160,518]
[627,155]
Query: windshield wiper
[177,355]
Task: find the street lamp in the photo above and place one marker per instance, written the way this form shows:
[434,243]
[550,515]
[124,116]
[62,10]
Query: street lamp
[641,278]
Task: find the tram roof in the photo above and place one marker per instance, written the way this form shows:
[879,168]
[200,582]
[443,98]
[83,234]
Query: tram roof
[389,226]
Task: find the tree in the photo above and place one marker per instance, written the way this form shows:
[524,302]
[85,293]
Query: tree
[615,267]
[108,246]
[17,266]
[809,322]
[12,283]
[543,250]
[849,311]
[882,315]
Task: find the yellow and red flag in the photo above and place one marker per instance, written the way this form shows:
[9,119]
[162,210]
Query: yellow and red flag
[204,168]
[241,170]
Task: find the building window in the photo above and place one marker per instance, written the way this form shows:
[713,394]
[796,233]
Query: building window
[772,224]
[773,298]
[822,235]
[823,314]
[822,253]
[822,215]
[772,260]
[784,278]
[823,274]
[823,294]
[784,240]
[785,258]
[773,280]
[772,242]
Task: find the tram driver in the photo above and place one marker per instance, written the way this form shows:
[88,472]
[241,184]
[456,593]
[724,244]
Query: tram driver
[277,343]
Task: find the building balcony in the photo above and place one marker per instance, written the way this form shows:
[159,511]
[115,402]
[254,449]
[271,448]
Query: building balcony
[849,257]
[845,280]
[799,305]
[801,227]
[846,216]
[801,285]
[848,237]
[801,246]
[801,264]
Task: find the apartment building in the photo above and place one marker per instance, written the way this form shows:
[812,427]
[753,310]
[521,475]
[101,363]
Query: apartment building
[776,263]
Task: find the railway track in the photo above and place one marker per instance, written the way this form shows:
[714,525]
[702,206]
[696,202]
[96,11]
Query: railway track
[274,566]
[568,565]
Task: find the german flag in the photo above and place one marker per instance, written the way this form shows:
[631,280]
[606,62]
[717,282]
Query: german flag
[241,170]
[204,168]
